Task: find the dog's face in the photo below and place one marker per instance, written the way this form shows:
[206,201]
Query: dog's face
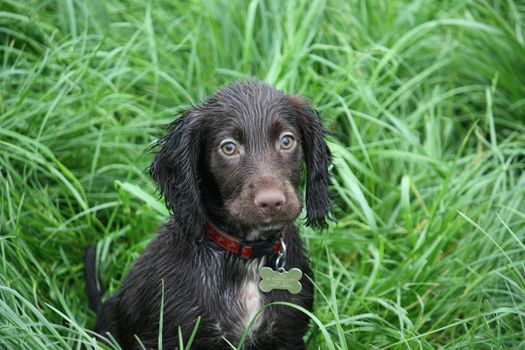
[240,156]
[254,153]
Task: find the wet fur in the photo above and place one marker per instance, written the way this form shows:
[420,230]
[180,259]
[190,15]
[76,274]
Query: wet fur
[199,278]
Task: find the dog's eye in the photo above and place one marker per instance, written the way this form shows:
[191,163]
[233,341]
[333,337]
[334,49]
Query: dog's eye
[229,148]
[287,141]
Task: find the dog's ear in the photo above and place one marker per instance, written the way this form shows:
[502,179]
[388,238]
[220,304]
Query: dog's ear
[317,157]
[175,169]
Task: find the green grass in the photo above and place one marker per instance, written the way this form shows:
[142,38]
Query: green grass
[426,101]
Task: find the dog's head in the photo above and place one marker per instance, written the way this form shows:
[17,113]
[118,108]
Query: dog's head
[237,159]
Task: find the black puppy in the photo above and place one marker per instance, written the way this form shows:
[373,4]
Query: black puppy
[230,171]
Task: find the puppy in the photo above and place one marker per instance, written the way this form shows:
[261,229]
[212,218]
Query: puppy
[230,172]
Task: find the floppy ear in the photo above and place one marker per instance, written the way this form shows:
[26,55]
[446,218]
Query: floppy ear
[317,157]
[175,169]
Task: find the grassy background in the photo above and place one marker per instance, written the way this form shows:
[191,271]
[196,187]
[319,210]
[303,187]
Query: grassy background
[427,103]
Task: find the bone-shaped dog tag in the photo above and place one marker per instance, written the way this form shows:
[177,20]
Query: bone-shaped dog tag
[287,280]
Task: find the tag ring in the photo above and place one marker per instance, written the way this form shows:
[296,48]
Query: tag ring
[280,261]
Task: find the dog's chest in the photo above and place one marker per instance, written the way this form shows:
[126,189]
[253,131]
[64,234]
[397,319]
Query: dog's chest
[245,300]
[251,299]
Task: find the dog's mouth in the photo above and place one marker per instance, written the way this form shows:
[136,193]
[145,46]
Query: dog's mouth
[262,232]
[261,228]
[270,227]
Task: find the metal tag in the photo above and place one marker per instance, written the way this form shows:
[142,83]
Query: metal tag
[287,280]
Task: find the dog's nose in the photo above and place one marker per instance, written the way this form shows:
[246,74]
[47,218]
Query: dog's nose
[269,200]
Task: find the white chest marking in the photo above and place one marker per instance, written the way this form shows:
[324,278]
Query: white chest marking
[251,298]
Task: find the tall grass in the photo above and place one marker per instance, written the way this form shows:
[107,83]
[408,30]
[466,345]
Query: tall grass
[426,102]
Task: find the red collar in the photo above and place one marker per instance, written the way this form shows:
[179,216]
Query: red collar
[246,249]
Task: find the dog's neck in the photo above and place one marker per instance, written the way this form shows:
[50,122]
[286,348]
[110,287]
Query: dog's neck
[255,234]
[243,233]
[246,249]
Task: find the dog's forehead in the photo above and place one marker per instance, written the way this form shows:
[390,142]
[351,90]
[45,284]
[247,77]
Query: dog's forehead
[250,107]
[249,91]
